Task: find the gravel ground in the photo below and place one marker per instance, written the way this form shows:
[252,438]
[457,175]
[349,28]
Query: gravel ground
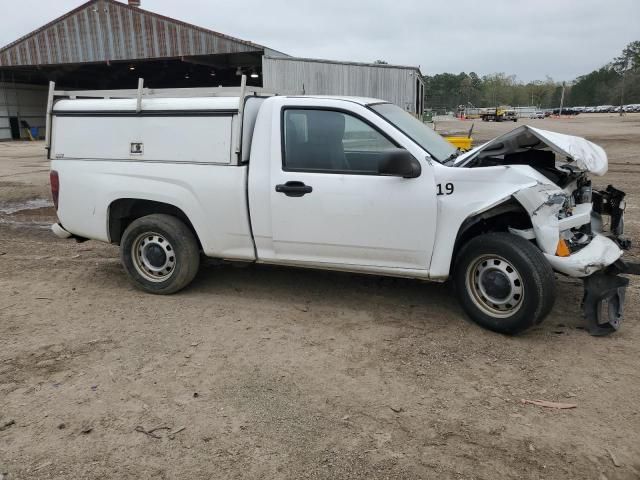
[264,372]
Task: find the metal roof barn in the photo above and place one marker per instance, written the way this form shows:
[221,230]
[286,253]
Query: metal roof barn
[106,30]
[401,85]
[107,44]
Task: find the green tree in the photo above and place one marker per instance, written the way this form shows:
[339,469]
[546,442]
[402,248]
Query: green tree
[596,88]
[629,59]
[445,91]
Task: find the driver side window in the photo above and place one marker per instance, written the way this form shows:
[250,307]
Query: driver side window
[332,142]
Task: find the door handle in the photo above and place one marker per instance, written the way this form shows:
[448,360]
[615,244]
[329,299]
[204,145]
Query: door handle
[294,189]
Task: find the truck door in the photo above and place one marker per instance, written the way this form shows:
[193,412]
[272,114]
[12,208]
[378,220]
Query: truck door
[328,203]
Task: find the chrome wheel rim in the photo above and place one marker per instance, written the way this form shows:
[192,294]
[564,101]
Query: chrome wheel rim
[495,286]
[153,257]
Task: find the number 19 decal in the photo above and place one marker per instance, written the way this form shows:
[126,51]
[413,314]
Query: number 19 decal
[448,189]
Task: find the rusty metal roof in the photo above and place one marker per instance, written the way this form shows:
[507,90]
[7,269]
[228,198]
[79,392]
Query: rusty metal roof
[107,30]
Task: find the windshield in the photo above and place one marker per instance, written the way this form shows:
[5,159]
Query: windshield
[434,144]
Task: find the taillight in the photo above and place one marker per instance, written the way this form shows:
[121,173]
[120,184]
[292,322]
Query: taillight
[55,187]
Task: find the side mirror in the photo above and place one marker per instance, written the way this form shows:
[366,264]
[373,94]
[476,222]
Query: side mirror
[399,163]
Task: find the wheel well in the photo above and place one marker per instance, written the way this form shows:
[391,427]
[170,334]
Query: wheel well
[496,219]
[125,210]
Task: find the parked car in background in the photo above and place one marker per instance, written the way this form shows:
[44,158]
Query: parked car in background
[537,114]
[566,111]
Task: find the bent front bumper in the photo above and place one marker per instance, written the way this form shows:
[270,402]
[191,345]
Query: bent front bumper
[596,256]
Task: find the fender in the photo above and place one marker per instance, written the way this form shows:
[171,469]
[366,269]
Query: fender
[475,191]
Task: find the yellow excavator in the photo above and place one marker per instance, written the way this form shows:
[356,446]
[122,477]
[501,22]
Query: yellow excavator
[461,142]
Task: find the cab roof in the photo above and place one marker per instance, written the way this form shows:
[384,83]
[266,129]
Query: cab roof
[359,100]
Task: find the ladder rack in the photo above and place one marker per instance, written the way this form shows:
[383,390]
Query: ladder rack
[143,92]
[162,92]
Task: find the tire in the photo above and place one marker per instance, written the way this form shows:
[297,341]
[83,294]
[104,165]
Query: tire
[160,254]
[504,283]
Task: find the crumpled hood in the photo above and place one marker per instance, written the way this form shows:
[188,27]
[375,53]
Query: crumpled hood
[577,151]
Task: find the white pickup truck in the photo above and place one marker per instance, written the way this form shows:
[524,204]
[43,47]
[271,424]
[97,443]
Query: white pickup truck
[338,183]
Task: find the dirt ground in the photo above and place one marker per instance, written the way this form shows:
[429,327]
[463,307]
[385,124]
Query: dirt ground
[274,373]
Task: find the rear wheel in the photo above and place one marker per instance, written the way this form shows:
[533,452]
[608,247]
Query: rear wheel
[159,253]
[504,282]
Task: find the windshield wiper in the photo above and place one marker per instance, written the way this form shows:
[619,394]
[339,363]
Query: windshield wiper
[452,157]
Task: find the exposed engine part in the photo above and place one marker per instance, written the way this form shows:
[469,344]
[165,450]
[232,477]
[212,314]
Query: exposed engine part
[578,240]
[584,192]
[543,161]
[611,202]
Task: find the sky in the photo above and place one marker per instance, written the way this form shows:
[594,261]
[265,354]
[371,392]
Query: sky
[528,38]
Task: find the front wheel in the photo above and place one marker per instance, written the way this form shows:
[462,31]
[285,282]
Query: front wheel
[160,254]
[504,282]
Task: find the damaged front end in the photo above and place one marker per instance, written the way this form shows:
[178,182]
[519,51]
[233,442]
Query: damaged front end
[579,230]
[585,242]
[581,235]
